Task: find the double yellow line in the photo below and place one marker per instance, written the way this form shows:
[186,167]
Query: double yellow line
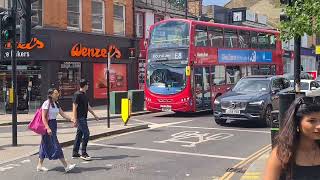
[254,156]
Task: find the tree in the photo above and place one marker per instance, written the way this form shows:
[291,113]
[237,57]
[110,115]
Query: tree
[304,17]
[177,3]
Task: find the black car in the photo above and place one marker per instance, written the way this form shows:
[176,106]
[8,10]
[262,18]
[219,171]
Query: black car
[252,98]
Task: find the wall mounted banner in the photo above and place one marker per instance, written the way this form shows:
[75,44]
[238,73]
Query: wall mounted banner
[244,56]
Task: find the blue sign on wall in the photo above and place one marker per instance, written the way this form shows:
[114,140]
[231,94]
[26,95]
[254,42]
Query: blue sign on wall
[243,56]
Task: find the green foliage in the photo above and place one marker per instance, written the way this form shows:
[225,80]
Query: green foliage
[304,18]
[177,3]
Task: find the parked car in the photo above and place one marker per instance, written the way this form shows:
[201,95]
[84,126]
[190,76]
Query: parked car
[303,75]
[318,79]
[310,87]
[252,98]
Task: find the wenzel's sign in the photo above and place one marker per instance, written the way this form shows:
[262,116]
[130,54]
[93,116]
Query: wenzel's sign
[24,50]
[78,50]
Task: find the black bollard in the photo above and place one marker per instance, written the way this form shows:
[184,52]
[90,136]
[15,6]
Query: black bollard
[285,100]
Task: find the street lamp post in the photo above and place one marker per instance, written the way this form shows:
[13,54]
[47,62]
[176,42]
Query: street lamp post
[108,88]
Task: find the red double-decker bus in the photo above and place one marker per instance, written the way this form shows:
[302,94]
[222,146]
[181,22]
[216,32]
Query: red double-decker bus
[190,63]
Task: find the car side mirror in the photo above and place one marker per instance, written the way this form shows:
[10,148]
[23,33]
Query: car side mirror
[275,91]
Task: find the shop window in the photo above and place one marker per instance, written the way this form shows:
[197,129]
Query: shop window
[69,76]
[201,38]
[215,37]
[74,15]
[233,74]
[139,24]
[218,75]
[118,79]
[244,39]
[97,9]
[230,39]
[119,19]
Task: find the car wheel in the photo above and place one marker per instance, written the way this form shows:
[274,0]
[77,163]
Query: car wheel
[268,116]
[220,121]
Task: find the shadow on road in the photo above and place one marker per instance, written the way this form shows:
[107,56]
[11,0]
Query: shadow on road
[243,124]
[185,114]
[80,169]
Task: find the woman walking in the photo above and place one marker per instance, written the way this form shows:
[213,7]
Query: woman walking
[50,147]
[296,155]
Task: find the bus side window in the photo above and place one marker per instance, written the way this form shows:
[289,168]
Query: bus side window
[215,37]
[201,38]
[263,41]
[254,40]
[272,40]
[233,74]
[218,75]
[244,39]
[230,38]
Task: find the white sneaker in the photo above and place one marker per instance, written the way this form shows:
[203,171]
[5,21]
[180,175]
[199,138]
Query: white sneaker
[69,167]
[41,168]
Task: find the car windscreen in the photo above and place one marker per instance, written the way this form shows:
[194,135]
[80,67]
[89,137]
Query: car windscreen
[252,85]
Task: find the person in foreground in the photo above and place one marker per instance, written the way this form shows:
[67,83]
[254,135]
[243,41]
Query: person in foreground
[50,147]
[296,155]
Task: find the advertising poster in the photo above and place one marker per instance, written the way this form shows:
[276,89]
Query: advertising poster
[118,79]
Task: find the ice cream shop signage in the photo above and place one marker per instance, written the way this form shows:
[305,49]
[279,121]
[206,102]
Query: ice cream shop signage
[79,50]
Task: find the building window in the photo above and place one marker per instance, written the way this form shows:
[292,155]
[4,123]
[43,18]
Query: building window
[158,18]
[97,9]
[119,19]
[37,7]
[139,24]
[74,15]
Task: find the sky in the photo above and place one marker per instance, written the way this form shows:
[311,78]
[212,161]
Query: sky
[215,2]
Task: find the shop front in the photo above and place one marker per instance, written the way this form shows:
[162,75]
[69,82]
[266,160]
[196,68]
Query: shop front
[60,59]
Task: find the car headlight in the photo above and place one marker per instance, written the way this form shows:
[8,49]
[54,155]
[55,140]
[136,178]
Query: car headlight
[257,102]
[216,102]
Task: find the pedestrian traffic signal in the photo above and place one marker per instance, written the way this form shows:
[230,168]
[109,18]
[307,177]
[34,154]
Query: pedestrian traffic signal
[286,2]
[6,26]
[25,20]
[284,17]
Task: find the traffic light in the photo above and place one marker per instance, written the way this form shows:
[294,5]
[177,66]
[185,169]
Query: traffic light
[284,17]
[286,2]
[26,23]
[6,26]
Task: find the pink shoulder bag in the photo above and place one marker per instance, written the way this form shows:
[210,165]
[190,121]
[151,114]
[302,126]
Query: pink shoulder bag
[36,125]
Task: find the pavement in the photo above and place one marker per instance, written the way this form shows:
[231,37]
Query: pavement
[28,141]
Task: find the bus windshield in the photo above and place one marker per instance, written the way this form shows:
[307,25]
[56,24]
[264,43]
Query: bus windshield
[170,34]
[165,79]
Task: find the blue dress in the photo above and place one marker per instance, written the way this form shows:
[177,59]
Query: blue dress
[50,147]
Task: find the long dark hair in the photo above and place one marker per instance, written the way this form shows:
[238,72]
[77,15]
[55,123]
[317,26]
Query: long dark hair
[49,95]
[288,138]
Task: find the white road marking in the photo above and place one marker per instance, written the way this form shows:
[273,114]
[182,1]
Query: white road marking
[186,137]
[85,162]
[25,161]
[109,165]
[143,121]
[222,129]
[169,152]
[187,175]
[150,127]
